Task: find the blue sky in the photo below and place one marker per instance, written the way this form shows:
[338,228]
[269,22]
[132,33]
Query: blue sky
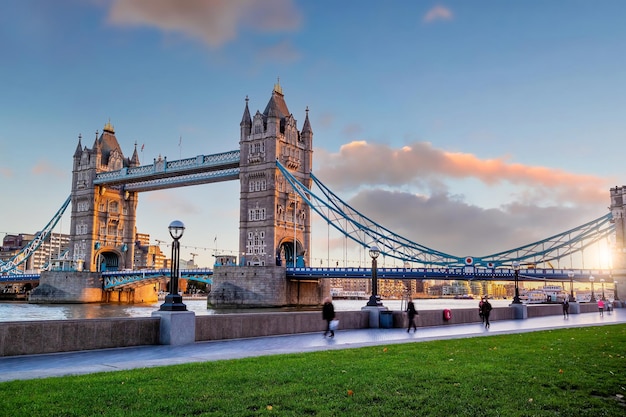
[469,127]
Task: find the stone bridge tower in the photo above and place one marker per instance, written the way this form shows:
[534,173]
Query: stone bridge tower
[275,224]
[618,210]
[103,219]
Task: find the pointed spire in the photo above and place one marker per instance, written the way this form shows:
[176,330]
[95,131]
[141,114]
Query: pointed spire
[276,107]
[134,160]
[79,147]
[306,128]
[246,120]
[95,143]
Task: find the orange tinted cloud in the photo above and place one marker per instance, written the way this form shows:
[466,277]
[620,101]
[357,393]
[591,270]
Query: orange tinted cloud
[214,22]
[438,13]
[360,163]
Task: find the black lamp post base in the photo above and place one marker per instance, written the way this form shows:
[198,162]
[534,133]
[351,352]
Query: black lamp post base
[173,302]
[374,301]
[516,300]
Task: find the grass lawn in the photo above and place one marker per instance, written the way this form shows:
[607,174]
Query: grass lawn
[568,372]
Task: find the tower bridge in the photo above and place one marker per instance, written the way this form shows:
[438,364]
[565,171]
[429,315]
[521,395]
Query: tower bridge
[274,168]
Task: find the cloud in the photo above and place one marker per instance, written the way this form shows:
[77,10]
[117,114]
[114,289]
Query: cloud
[380,182]
[359,164]
[46,169]
[215,22]
[438,13]
[446,223]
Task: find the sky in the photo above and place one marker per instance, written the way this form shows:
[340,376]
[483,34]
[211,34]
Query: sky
[468,127]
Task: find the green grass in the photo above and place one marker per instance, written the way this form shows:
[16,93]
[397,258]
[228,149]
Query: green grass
[569,372]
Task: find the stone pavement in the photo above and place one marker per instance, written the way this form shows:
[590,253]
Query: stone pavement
[91,361]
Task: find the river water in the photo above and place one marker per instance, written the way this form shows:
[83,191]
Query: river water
[22,311]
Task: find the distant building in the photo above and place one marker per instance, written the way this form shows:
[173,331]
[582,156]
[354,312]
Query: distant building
[51,249]
[148,256]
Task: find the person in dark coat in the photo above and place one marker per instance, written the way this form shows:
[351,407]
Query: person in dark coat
[565,308]
[328,314]
[411,312]
[486,309]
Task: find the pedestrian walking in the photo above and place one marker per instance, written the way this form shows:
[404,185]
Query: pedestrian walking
[486,309]
[480,311]
[601,306]
[565,308]
[328,314]
[411,312]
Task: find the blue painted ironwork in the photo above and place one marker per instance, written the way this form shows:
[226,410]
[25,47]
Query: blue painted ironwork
[364,231]
[126,279]
[11,265]
[467,273]
[121,279]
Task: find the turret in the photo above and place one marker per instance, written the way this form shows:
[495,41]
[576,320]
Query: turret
[246,123]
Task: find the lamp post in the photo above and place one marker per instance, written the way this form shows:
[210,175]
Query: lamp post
[570,274]
[615,296]
[593,296]
[602,282]
[174,301]
[516,299]
[373,301]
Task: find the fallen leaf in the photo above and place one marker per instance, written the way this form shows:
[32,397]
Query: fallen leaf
[350,393]
[269,407]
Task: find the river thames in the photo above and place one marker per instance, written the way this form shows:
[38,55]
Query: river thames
[23,311]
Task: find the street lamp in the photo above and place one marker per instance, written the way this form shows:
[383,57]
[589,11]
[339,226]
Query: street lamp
[615,297]
[174,301]
[593,296]
[516,299]
[570,274]
[374,301]
[602,282]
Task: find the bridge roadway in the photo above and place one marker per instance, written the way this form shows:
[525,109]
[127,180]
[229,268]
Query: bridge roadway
[127,279]
[106,360]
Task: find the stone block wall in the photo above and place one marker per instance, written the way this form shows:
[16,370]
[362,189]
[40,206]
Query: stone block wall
[243,286]
[49,336]
[68,287]
[235,326]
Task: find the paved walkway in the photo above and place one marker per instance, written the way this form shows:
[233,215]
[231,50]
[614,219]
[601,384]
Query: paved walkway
[84,362]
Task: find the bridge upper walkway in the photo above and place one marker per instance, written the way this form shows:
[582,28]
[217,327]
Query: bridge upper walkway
[163,174]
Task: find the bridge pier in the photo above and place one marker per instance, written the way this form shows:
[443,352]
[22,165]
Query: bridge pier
[68,287]
[266,286]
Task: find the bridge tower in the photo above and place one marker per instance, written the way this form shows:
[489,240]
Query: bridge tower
[103,219]
[274,225]
[618,210]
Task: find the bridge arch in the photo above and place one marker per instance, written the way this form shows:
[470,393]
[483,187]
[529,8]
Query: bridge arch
[109,260]
[285,253]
